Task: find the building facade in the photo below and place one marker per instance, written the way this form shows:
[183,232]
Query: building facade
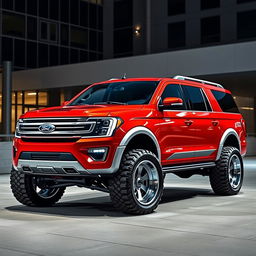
[42,33]
[47,39]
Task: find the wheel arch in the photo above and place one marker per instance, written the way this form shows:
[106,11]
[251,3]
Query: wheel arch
[145,137]
[229,138]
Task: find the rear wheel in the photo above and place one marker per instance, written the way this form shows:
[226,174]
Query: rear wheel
[227,177]
[29,190]
[138,186]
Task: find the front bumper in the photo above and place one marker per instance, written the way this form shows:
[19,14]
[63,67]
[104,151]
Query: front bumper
[69,168]
[81,162]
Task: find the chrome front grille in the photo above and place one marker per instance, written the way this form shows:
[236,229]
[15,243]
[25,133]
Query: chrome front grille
[58,127]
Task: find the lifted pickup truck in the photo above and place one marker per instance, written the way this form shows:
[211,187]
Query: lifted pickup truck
[123,136]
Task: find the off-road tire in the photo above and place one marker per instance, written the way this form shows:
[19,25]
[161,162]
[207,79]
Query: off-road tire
[219,176]
[121,185]
[23,191]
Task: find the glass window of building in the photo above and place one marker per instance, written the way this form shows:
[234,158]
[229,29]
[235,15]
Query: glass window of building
[43,55]
[123,13]
[20,97]
[64,36]
[74,56]
[43,8]
[30,98]
[74,7]
[20,5]
[176,7]
[246,24]
[209,4]
[7,48]
[93,15]
[93,40]
[42,98]
[32,28]
[7,4]
[84,13]
[23,101]
[210,30]
[83,56]
[123,41]
[64,55]
[100,41]
[13,24]
[64,10]
[176,35]
[19,53]
[54,9]
[31,55]
[54,55]
[31,7]
[13,98]
[100,17]
[93,56]
[48,31]
[52,32]
[43,30]
[78,37]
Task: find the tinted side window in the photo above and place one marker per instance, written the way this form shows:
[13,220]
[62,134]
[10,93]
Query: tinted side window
[225,101]
[195,98]
[174,90]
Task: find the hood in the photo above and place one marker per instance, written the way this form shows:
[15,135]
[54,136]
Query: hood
[90,110]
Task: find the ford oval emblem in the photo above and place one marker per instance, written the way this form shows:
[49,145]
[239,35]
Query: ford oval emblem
[46,128]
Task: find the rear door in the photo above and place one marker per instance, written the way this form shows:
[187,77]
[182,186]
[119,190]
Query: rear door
[206,128]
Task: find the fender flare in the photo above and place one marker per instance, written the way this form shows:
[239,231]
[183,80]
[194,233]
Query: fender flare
[225,135]
[137,131]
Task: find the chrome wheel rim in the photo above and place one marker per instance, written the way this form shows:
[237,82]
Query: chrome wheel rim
[45,193]
[145,182]
[235,171]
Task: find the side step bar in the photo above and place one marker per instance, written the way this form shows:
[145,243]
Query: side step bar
[185,167]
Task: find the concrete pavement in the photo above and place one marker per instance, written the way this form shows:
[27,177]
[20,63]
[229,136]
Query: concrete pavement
[190,220]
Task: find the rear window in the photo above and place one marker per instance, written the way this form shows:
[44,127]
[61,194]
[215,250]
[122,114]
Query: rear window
[195,98]
[225,101]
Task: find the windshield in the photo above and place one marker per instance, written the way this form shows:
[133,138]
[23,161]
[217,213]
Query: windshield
[124,93]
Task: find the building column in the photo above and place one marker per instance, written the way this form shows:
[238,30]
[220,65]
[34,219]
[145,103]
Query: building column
[7,97]
[148,26]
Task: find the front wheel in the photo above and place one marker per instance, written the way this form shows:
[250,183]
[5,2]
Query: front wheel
[227,177]
[138,186]
[30,191]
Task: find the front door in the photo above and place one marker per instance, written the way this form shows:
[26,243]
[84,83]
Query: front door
[176,129]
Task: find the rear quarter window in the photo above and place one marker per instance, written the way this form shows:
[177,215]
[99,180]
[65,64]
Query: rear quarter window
[225,101]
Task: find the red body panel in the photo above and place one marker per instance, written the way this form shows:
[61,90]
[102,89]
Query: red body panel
[176,131]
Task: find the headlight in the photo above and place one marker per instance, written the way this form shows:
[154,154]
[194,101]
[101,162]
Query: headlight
[17,130]
[104,126]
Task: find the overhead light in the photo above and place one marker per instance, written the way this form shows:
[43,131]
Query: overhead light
[137,31]
[247,108]
[31,93]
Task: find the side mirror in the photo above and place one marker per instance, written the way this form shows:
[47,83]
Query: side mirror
[171,101]
[64,103]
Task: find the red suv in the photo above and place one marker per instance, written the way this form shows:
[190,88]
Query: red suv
[123,136]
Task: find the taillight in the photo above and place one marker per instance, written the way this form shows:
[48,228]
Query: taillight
[243,125]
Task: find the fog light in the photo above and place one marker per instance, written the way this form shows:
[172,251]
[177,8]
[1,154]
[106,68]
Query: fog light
[98,154]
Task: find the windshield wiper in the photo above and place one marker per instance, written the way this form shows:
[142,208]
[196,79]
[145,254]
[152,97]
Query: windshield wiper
[110,102]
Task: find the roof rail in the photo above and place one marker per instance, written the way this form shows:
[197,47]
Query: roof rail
[113,79]
[186,78]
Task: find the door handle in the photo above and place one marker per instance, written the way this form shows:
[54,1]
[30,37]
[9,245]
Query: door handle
[215,122]
[188,122]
